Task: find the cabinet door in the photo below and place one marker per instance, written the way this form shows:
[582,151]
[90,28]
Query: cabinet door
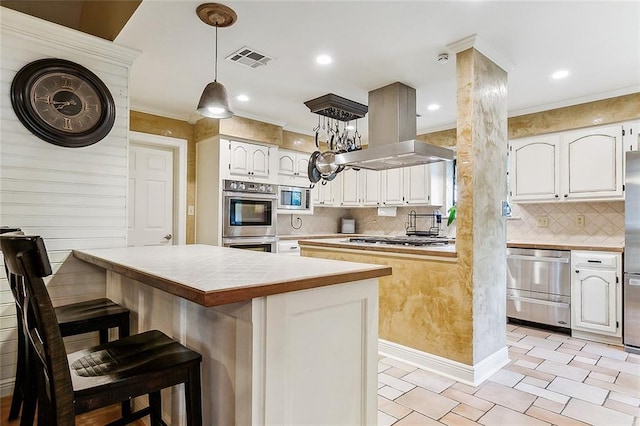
[534,168]
[286,163]
[369,187]
[416,184]
[593,163]
[324,195]
[302,165]
[259,161]
[594,300]
[239,158]
[349,196]
[392,188]
[437,183]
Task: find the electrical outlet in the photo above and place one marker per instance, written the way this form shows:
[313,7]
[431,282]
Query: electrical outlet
[579,220]
[542,221]
[191,210]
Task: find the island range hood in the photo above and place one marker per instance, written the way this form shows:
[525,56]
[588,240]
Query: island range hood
[392,132]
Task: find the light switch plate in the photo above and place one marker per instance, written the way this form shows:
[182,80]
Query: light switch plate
[191,210]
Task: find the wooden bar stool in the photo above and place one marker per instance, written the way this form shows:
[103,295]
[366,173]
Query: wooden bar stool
[77,318]
[100,376]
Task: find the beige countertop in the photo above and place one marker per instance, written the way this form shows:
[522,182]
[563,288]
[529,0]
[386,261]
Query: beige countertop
[314,236]
[448,250]
[211,275]
[555,246]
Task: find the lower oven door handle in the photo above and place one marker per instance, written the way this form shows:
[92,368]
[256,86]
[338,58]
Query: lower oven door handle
[539,258]
[539,302]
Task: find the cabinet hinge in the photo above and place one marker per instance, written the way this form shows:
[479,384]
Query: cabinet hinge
[229,166]
[617,324]
[623,132]
[617,280]
[623,187]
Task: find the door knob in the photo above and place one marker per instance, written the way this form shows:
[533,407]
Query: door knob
[168,237]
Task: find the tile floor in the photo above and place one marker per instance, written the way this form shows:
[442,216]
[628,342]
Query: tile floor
[552,379]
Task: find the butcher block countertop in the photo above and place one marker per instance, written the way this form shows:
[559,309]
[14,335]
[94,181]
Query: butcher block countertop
[212,276]
[545,246]
[448,250]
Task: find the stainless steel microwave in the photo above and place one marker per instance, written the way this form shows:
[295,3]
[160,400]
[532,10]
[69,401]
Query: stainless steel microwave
[294,199]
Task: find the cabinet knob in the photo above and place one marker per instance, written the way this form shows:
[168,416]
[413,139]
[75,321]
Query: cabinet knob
[566,195]
[556,195]
[577,272]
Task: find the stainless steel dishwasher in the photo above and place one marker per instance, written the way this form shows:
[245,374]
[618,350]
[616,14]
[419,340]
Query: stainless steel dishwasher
[539,286]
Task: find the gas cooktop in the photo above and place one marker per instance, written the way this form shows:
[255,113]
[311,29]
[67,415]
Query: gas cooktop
[402,240]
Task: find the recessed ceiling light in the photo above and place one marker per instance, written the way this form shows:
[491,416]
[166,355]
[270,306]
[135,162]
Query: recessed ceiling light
[323,59]
[433,107]
[560,74]
[242,98]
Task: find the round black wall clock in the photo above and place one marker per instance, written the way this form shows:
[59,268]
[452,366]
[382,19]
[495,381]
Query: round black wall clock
[62,103]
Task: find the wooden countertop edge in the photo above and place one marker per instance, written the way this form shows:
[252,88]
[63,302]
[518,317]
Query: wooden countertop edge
[564,247]
[384,249]
[237,294]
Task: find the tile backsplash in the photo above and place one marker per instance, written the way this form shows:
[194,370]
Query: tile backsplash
[603,223]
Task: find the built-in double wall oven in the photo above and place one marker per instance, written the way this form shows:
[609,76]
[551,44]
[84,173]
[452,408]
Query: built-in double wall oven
[249,215]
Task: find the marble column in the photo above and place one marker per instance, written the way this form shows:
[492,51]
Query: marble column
[481,229]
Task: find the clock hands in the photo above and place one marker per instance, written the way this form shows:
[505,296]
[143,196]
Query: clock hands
[59,105]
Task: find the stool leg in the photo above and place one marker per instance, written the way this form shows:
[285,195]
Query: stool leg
[123,331]
[193,396]
[21,368]
[155,406]
[104,335]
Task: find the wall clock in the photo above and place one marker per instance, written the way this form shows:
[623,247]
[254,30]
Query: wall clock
[62,102]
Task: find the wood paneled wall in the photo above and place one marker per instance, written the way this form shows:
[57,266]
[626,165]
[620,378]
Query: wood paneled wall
[72,197]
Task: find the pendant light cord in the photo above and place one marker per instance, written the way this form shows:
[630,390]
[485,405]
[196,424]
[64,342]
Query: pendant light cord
[215,75]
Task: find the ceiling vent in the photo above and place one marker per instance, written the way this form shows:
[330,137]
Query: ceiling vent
[249,58]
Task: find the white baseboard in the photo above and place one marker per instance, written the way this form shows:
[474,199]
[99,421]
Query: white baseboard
[471,375]
[596,337]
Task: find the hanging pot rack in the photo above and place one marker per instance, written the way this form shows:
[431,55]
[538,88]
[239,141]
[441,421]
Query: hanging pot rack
[337,107]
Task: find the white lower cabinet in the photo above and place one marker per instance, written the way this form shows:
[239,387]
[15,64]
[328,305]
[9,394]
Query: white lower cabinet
[596,296]
[289,247]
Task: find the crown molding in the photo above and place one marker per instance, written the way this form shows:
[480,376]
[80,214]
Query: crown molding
[478,43]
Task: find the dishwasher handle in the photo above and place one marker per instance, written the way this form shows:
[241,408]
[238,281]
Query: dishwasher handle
[538,258]
[539,302]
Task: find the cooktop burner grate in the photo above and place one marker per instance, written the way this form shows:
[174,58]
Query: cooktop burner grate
[406,241]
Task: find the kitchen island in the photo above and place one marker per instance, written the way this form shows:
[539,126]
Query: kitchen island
[284,340]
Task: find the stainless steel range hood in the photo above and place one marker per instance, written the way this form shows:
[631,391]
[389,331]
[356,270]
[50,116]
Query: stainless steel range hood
[392,132]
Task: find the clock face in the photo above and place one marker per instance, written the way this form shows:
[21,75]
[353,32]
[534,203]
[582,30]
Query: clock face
[62,102]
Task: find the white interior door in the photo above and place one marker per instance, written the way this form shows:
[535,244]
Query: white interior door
[150,204]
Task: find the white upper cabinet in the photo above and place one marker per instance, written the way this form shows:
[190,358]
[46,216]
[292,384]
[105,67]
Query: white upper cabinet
[535,168]
[293,168]
[248,161]
[575,165]
[392,191]
[416,185]
[360,188]
[631,135]
[327,195]
[350,189]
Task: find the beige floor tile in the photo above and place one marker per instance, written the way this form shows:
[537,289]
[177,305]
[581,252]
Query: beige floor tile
[595,414]
[417,419]
[585,360]
[396,372]
[385,420]
[614,364]
[627,399]
[389,392]
[553,418]
[562,370]
[578,390]
[545,393]
[505,396]
[515,336]
[468,411]
[535,382]
[595,368]
[392,408]
[629,380]
[559,337]
[503,416]
[526,357]
[506,377]
[399,364]
[612,386]
[547,354]
[604,350]
[395,383]
[603,377]
[532,332]
[516,344]
[427,380]
[577,342]
[517,350]
[382,366]
[426,402]
[527,364]
[452,419]
[465,388]
[465,398]
[622,407]
[569,345]
[532,373]
[549,405]
[540,342]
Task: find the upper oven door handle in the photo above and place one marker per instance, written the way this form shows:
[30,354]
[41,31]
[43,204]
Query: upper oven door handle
[249,196]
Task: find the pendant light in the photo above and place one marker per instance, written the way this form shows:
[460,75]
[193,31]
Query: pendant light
[214,102]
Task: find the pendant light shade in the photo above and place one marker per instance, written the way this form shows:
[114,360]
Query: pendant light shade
[214,102]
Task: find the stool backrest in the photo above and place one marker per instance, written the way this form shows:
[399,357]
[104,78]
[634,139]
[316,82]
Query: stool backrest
[26,258]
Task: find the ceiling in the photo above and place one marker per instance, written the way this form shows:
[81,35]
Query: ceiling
[375,43]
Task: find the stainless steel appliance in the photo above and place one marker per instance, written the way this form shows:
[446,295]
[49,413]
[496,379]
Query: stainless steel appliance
[631,291]
[402,241]
[293,199]
[249,209]
[539,286]
[266,244]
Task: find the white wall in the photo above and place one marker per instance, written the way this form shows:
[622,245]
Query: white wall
[72,197]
